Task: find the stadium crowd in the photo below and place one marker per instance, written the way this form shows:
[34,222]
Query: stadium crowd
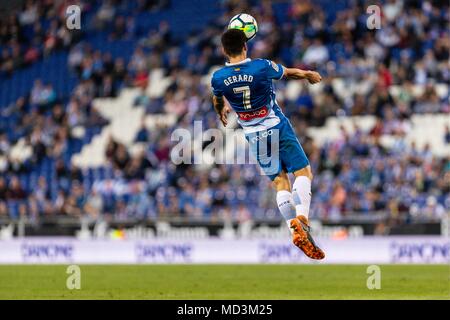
[353,174]
[34,32]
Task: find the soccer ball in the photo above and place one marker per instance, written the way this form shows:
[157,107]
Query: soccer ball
[246,23]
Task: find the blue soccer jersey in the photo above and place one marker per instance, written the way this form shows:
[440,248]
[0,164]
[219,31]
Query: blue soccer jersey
[248,87]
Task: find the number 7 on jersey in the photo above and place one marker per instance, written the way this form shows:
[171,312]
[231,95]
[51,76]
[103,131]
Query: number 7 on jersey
[245,90]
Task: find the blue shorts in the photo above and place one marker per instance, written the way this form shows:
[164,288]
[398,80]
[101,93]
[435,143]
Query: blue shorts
[277,149]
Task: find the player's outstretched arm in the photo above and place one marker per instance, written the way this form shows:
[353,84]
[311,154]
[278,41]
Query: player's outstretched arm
[298,74]
[221,109]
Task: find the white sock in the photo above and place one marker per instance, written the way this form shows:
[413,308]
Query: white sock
[301,193]
[286,205]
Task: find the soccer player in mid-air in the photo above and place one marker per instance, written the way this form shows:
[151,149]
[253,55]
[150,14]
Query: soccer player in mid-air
[247,85]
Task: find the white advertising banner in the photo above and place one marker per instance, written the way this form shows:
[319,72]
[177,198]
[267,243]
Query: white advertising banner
[363,250]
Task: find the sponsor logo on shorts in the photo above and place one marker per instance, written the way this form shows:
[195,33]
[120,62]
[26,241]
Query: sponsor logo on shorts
[262,135]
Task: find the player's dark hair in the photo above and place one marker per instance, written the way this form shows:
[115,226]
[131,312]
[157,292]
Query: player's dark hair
[233,42]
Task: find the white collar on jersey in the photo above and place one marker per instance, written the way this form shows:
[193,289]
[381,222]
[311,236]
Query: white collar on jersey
[228,64]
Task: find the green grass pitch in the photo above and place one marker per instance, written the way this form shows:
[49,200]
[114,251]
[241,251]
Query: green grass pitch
[225,282]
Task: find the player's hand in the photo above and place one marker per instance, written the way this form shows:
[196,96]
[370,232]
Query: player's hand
[313,77]
[224,114]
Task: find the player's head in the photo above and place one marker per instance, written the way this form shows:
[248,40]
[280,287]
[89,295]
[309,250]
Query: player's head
[234,42]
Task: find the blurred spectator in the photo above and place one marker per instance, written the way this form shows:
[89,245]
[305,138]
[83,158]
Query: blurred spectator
[15,190]
[447,134]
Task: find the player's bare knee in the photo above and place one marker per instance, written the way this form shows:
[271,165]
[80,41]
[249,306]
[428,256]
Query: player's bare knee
[306,172]
[281,182]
